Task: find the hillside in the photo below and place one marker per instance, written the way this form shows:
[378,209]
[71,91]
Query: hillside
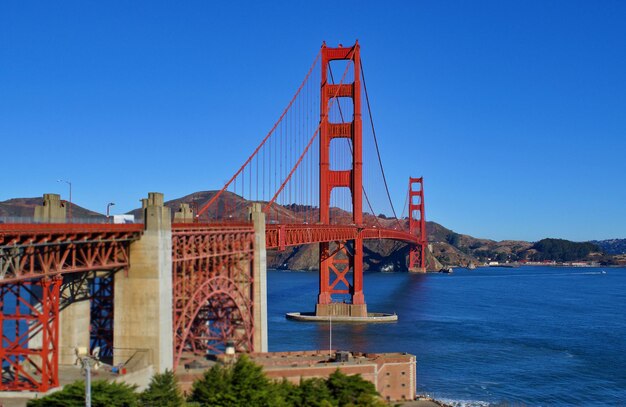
[447,248]
[23,209]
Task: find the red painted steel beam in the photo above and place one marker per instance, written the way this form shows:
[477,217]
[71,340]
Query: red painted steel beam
[212,287]
[33,251]
[417,224]
[29,365]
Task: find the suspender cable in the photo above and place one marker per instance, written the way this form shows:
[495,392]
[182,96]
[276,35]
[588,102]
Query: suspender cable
[306,78]
[380,162]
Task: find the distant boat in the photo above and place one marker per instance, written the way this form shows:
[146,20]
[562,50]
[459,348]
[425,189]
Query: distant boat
[446,270]
[387,268]
[602,272]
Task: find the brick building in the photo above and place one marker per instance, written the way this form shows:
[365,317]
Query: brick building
[393,374]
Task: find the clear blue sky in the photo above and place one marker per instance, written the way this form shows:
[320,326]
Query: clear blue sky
[514,112]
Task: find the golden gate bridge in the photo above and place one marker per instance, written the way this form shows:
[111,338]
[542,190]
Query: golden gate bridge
[315,178]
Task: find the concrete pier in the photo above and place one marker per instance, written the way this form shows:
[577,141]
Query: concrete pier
[75,317]
[336,309]
[372,317]
[143,296]
[259,265]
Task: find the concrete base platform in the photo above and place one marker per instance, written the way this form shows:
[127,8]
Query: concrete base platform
[371,317]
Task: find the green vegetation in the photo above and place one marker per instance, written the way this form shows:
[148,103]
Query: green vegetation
[453,238]
[562,250]
[163,391]
[242,384]
[104,394]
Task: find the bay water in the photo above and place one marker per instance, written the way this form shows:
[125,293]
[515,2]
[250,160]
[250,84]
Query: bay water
[491,336]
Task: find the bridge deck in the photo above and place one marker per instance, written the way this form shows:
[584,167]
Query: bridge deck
[29,251]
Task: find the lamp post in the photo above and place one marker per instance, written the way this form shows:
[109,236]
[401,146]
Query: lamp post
[109,205]
[87,366]
[69,213]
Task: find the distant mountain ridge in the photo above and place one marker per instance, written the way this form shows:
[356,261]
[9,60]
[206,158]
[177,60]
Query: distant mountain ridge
[448,247]
[25,208]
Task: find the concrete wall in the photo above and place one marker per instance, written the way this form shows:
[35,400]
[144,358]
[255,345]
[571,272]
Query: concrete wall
[75,319]
[143,296]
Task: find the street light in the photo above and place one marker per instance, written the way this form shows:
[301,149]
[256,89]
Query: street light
[110,204]
[69,214]
[87,366]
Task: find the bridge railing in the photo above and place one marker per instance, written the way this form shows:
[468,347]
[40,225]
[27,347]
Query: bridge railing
[83,220]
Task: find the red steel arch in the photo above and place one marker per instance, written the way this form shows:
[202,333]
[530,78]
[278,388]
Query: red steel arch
[212,287]
[218,311]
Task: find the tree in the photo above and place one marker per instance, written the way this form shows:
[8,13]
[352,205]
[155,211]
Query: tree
[163,391]
[315,393]
[103,394]
[352,390]
[245,385]
[563,250]
[452,238]
[242,384]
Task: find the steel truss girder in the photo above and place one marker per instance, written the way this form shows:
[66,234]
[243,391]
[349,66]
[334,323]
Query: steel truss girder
[213,288]
[45,250]
[29,347]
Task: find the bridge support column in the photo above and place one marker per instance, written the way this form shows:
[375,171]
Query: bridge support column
[143,297]
[74,319]
[417,226]
[259,265]
[335,264]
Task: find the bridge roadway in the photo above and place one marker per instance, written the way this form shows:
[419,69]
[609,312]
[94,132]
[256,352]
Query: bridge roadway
[282,236]
[46,250]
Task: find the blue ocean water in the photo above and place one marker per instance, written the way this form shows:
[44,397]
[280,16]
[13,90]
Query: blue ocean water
[491,336]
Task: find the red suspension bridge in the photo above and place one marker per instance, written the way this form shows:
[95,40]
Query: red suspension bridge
[318,178]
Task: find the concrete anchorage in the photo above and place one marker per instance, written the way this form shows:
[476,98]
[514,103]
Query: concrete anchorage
[143,296]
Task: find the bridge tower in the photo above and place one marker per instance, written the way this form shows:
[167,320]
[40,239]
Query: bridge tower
[337,258]
[417,225]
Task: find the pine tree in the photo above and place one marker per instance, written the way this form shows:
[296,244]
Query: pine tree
[352,390]
[163,391]
[103,394]
[240,385]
